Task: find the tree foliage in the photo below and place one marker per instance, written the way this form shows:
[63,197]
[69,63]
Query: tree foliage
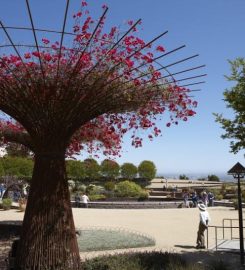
[128,189]
[129,171]
[213,178]
[147,169]
[92,168]
[16,166]
[183,177]
[75,169]
[235,100]
[110,168]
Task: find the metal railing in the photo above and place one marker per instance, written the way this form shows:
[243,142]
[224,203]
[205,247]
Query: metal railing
[223,227]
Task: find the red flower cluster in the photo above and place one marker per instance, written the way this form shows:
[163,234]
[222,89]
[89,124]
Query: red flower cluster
[97,64]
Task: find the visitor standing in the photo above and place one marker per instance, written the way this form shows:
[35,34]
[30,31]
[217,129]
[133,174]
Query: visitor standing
[1,190]
[186,199]
[194,199]
[85,200]
[77,200]
[203,225]
[210,199]
[205,198]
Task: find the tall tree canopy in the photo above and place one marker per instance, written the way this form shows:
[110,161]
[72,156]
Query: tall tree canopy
[110,168]
[129,171]
[75,169]
[147,169]
[59,100]
[235,100]
[16,166]
[92,168]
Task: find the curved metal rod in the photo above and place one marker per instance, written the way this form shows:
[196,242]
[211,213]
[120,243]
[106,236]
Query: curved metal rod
[185,79]
[35,38]
[62,37]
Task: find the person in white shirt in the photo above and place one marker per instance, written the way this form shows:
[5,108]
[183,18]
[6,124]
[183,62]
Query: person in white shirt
[203,225]
[85,200]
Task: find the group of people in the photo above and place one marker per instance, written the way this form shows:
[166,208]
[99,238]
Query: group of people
[81,201]
[193,199]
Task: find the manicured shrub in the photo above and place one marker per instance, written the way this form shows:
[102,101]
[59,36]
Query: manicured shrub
[97,197]
[93,189]
[219,197]
[6,203]
[128,189]
[110,186]
[143,195]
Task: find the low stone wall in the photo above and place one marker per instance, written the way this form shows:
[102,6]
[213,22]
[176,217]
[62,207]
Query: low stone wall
[146,204]
[133,205]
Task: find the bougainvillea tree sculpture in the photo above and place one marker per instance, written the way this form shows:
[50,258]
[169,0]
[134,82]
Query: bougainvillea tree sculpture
[60,100]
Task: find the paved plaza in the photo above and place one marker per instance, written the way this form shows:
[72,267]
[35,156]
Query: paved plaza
[173,229]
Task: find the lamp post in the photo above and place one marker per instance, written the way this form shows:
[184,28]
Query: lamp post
[238,172]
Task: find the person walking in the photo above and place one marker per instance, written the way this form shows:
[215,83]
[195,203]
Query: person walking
[85,200]
[203,225]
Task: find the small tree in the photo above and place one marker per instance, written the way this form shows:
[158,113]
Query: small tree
[75,169]
[235,99]
[147,169]
[213,178]
[91,168]
[17,166]
[129,171]
[110,168]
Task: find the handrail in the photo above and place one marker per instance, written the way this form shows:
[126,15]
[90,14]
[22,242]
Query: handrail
[231,225]
[223,227]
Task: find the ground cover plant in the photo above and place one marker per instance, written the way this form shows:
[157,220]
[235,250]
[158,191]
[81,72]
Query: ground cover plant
[59,100]
[94,239]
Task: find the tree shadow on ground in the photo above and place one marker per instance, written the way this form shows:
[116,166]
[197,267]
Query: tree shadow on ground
[184,246]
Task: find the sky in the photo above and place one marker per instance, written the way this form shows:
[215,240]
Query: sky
[213,29]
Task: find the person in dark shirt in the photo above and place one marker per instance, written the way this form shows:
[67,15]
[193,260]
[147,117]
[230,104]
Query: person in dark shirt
[77,200]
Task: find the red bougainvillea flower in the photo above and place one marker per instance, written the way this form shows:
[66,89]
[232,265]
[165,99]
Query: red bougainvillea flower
[160,49]
[123,78]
